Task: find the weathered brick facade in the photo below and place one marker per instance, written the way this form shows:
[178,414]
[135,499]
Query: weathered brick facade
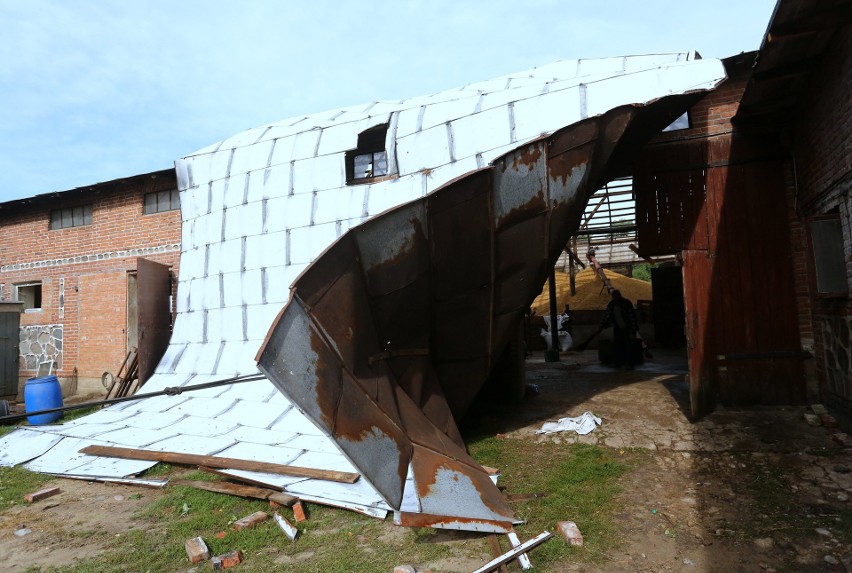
[83,272]
[733,232]
[822,139]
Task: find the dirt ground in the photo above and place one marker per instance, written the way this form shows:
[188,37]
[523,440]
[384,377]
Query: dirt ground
[752,490]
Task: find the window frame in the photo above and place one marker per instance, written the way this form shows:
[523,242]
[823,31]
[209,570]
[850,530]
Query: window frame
[40,299]
[68,217]
[815,261]
[371,141]
[174,201]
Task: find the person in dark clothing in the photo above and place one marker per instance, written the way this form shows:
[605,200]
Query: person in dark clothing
[621,315]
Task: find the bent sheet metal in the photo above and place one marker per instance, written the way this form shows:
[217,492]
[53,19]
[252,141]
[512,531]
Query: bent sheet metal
[409,272]
[394,330]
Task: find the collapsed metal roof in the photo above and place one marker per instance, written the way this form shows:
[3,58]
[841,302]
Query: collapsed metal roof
[407,282]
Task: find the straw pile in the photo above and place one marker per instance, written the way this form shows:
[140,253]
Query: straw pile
[591,294]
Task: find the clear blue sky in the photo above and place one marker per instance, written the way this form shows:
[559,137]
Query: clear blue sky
[97,90]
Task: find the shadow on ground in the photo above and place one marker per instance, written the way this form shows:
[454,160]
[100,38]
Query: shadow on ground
[745,489]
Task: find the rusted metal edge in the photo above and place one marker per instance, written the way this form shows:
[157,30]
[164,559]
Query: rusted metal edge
[408,519]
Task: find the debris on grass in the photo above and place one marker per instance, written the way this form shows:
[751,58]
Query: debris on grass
[41,494]
[514,552]
[571,533]
[299,512]
[523,559]
[227,560]
[250,520]
[288,528]
[196,550]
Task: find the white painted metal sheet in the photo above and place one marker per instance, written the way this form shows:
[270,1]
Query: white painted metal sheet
[23,445]
[65,457]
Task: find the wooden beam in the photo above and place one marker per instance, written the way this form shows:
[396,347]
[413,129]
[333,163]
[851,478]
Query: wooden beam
[494,544]
[226,487]
[218,462]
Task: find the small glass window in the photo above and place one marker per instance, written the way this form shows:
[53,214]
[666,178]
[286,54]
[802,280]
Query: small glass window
[71,217]
[370,158]
[829,259]
[161,201]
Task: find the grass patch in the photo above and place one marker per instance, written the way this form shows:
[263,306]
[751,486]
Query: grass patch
[69,415]
[581,483]
[17,482]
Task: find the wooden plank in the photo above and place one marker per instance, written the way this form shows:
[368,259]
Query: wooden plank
[284,499]
[496,551]
[514,552]
[278,497]
[226,487]
[219,462]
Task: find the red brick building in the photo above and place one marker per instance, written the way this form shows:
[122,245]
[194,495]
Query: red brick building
[755,196]
[73,259]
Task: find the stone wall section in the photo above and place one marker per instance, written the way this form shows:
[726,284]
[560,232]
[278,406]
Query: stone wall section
[41,344]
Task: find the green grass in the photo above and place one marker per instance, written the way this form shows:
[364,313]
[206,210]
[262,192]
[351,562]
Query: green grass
[581,483]
[17,482]
[69,415]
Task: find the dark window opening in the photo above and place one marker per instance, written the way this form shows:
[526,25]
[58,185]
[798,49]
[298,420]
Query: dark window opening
[162,201]
[71,217]
[30,295]
[826,238]
[370,159]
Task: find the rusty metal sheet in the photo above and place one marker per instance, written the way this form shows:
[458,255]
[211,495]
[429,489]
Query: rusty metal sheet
[407,338]
[410,519]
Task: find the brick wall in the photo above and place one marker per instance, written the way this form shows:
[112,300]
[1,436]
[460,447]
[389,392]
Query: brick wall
[711,122]
[823,149]
[712,115]
[91,263]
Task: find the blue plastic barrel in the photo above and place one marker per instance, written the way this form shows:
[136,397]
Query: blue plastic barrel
[42,394]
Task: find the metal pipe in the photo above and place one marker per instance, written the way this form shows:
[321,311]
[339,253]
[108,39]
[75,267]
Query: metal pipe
[171,391]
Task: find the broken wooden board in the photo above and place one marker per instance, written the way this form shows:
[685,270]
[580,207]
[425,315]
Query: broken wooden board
[496,551]
[239,490]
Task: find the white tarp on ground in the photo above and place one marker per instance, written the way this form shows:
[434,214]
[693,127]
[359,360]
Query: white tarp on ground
[259,207]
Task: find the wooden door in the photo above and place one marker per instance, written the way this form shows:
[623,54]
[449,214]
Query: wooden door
[10,324]
[154,314]
[703,386]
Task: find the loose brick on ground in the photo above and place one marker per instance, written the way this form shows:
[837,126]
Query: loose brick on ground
[41,494]
[251,520]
